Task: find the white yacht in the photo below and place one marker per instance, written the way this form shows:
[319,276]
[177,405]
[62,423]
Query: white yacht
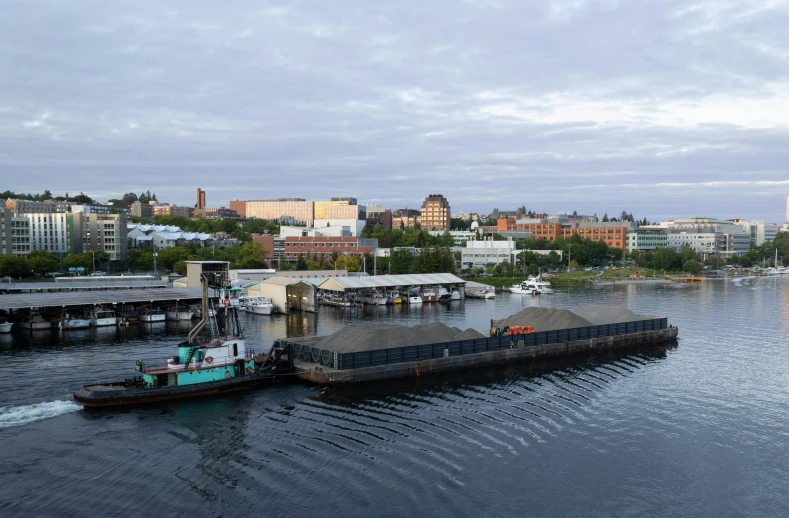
[521,289]
[152,315]
[5,326]
[259,305]
[539,286]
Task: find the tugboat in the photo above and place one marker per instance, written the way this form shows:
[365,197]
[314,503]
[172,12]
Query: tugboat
[206,365]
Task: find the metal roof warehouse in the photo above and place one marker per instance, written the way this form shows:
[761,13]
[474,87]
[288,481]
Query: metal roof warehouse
[391,281]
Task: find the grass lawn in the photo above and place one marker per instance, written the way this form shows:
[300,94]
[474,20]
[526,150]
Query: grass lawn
[631,273]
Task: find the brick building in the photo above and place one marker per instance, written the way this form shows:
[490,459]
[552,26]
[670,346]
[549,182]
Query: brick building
[323,246]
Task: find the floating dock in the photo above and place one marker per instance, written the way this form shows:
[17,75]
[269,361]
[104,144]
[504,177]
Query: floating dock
[327,367]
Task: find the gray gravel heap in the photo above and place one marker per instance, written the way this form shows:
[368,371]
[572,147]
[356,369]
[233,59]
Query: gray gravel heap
[545,319]
[371,336]
[599,315]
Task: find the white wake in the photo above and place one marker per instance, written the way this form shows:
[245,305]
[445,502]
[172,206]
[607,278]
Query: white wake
[26,414]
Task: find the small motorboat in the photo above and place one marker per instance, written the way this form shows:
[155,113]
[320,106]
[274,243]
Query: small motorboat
[259,305]
[5,326]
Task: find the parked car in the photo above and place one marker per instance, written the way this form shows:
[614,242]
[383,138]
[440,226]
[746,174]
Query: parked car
[99,274]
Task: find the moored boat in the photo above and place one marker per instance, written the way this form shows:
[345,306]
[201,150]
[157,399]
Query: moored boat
[178,313]
[259,305]
[104,317]
[5,326]
[152,315]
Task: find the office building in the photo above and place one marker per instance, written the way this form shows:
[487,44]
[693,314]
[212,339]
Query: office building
[646,239]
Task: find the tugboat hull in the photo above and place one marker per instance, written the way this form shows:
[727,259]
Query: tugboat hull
[115,394]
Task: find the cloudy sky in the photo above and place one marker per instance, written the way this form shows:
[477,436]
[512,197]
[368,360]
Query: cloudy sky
[663,108]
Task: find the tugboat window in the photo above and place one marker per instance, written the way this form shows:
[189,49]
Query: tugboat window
[235,349]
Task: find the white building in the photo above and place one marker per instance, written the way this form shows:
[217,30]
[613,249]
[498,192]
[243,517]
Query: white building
[327,228]
[760,231]
[707,236]
[165,236]
[479,254]
[56,232]
[460,236]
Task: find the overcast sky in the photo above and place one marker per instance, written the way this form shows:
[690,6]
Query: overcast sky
[663,108]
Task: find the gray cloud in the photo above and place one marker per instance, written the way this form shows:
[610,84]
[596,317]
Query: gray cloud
[662,108]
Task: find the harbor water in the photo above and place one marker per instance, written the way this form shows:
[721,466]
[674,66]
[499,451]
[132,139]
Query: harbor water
[699,429]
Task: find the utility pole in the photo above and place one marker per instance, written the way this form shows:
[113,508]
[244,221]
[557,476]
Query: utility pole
[155,268]
[93,252]
[569,255]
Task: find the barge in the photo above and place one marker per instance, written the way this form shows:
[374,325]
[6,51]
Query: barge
[327,367]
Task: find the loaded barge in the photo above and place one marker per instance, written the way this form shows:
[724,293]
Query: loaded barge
[310,363]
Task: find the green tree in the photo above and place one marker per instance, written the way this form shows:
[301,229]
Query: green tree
[169,256]
[180,267]
[314,265]
[77,261]
[401,261]
[691,266]
[145,261]
[301,263]
[42,262]
[13,266]
[348,262]
[252,256]
[664,258]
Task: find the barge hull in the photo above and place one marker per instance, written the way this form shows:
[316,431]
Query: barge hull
[323,375]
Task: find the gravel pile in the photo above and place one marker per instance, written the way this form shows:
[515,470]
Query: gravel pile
[372,336]
[545,319]
[599,315]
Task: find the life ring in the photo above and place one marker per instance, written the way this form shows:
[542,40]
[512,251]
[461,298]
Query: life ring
[228,375]
[249,370]
[208,359]
[227,303]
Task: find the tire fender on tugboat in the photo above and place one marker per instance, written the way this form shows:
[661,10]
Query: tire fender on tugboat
[208,359]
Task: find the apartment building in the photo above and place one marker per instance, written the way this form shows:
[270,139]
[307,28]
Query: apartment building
[406,218]
[14,233]
[107,232]
[612,234]
[35,207]
[435,213]
[167,209]
[139,209]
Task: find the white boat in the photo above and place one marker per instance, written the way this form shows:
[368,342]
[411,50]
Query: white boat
[539,286]
[152,315]
[5,326]
[414,297]
[259,306]
[178,314]
[374,298]
[485,293]
[75,323]
[521,289]
[104,317]
[455,295]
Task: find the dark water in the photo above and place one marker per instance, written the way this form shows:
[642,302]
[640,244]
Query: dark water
[696,430]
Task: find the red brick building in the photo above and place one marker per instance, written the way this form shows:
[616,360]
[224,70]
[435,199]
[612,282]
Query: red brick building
[613,234]
[324,246]
[267,241]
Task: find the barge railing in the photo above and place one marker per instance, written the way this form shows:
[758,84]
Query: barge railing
[306,350]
